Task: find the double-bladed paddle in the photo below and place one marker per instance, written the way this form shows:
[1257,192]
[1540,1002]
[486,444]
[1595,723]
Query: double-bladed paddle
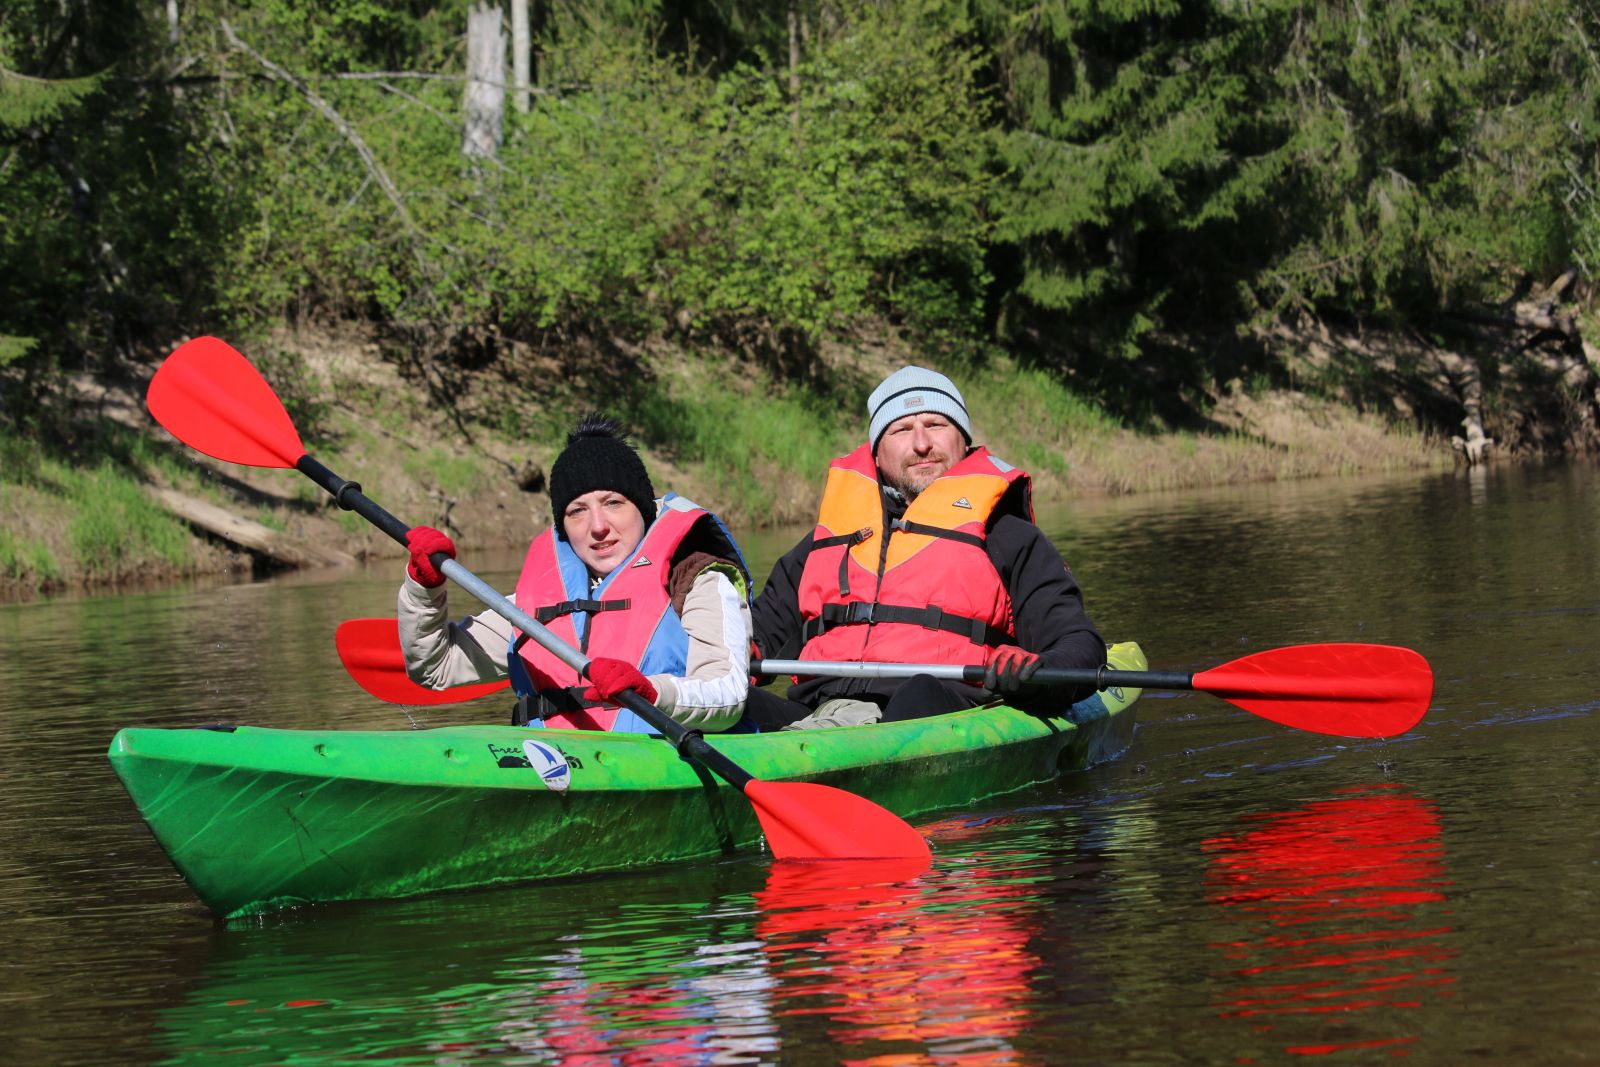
[210,397]
[1345,690]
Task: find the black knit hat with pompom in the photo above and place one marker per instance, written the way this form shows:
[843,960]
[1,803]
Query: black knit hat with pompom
[598,456]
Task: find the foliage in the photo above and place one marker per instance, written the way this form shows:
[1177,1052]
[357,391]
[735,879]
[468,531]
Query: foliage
[1442,138]
[1094,184]
[104,233]
[652,195]
[28,102]
[1187,169]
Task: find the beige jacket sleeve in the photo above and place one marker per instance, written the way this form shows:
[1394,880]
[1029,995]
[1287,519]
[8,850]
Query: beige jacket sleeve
[440,653]
[711,694]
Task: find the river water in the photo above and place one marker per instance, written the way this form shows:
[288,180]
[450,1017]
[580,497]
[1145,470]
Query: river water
[1229,891]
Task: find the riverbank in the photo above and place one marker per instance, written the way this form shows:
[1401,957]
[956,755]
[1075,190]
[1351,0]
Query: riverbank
[467,451]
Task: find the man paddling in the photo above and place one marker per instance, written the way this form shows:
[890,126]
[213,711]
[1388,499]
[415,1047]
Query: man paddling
[925,550]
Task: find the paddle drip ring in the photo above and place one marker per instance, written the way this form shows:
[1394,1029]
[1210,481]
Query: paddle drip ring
[346,487]
[686,739]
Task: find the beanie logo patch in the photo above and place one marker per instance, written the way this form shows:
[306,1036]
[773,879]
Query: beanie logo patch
[642,561]
[962,503]
[913,401]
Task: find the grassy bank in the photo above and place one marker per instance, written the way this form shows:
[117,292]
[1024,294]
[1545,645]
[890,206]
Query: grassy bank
[88,521]
[728,433]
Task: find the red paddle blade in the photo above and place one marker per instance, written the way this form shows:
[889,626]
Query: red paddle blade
[1348,690]
[209,397]
[370,651]
[806,821]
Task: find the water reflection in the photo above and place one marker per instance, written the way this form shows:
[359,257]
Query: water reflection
[1330,902]
[574,974]
[902,971]
[880,963]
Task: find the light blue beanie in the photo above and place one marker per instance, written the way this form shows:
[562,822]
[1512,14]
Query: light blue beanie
[911,391]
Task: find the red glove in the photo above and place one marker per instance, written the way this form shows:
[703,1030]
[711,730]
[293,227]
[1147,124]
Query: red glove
[1010,668]
[610,677]
[424,541]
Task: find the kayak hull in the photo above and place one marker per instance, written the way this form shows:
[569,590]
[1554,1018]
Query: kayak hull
[261,819]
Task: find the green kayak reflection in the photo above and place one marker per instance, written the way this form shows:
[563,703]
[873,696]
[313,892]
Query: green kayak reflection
[871,958]
[1335,909]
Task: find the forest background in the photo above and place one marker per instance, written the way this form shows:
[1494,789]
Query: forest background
[1160,243]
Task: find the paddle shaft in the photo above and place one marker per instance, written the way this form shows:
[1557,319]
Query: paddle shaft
[349,496]
[1099,677]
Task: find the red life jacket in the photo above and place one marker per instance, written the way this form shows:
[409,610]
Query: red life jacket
[930,594]
[628,616]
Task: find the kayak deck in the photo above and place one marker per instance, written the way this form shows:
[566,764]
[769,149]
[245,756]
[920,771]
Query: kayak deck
[259,819]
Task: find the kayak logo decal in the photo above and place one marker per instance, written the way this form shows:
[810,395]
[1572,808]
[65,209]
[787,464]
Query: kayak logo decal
[505,756]
[550,763]
[514,758]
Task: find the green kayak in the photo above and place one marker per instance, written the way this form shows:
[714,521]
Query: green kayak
[261,819]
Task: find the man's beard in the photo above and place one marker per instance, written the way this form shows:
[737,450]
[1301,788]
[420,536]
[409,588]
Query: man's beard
[909,484]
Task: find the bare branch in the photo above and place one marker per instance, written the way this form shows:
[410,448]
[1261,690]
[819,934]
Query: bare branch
[347,131]
[350,134]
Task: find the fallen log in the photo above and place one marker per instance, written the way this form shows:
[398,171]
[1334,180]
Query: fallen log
[251,536]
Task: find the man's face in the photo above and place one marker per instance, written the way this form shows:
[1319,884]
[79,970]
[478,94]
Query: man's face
[916,449]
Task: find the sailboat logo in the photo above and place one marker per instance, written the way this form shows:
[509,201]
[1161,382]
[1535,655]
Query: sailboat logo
[551,765]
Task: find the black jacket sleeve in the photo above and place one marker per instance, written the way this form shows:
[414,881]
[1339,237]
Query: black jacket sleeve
[1045,599]
[776,612]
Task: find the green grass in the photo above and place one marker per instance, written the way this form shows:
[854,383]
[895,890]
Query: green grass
[435,466]
[28,560]
[1028,417]
[1031,400]
[92,523]
[117,528]
[750,448]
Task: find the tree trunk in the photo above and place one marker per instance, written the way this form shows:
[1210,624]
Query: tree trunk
[794,64]
[486,83]
[520,50]
[1463,376]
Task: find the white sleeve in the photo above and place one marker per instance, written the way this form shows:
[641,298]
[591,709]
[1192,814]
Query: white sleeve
[440,653]
[711,694]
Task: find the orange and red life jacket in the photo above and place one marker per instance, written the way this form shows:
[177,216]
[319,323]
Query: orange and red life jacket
[925,589]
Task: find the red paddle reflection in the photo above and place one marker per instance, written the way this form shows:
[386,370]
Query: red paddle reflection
[884,959]
[1330,893]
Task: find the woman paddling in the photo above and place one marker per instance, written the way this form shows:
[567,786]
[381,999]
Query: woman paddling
[655,591]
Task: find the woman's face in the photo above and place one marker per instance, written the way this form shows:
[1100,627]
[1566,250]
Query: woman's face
[603,527]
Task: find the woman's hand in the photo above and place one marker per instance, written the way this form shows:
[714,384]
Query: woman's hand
[611,677]
[424,541]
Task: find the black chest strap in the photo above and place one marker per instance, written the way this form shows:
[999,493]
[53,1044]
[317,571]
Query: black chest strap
[567,607]
[860,612]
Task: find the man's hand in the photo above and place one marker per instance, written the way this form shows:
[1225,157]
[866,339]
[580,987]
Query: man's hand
[1009,670]
[424,541]
[610,677]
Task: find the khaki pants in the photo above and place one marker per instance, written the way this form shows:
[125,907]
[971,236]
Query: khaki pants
[839,711]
